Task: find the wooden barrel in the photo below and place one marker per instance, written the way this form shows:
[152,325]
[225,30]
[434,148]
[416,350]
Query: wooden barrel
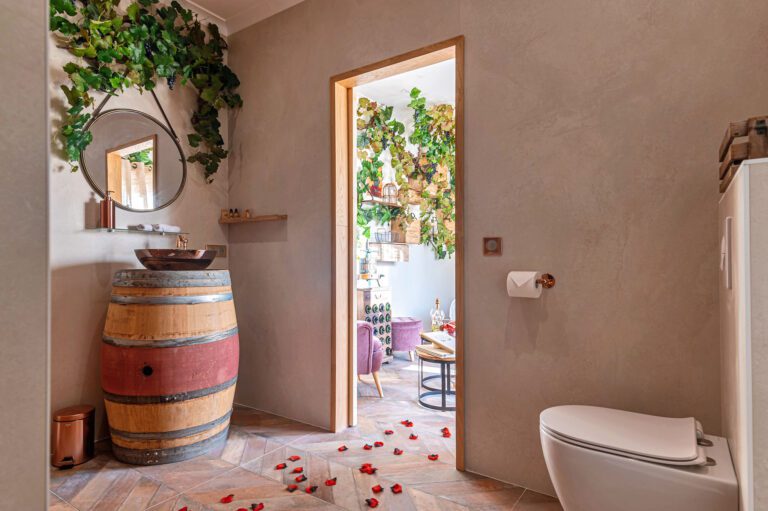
[169,363]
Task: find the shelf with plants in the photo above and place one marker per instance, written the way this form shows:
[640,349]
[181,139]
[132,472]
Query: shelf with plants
[253,219]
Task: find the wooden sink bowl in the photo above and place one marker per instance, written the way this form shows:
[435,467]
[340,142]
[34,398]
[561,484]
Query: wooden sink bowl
[175,259]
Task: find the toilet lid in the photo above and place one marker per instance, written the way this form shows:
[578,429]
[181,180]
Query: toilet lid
[649,437]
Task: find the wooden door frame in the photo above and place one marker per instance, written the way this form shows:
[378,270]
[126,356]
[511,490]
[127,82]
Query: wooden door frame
[343,225]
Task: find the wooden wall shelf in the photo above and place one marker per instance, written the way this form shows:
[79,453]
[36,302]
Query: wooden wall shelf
[258,218]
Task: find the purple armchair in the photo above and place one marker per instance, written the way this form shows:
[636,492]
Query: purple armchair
[369,353]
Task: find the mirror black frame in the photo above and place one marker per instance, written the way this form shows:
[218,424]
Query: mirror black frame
[170,133]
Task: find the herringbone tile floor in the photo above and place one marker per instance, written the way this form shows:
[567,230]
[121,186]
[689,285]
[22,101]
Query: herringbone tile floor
[258,441]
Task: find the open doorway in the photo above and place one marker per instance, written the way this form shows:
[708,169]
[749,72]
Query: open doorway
[398,242]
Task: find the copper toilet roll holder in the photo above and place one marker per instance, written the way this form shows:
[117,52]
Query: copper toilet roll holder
[547,281]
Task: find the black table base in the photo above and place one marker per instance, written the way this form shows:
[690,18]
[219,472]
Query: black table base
[444,390]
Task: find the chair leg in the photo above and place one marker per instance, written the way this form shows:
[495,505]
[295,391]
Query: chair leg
[410,355]
[378,383]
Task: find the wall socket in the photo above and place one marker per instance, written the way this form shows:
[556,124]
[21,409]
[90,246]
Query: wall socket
[491,246]
[221,250]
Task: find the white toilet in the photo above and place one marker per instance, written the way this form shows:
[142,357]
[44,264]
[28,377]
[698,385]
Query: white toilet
[610,460]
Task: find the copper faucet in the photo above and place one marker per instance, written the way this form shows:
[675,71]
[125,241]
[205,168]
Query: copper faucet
[181,242]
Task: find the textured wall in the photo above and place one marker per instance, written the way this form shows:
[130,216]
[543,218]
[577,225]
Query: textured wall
[83,262]
[591,134]
[24,253]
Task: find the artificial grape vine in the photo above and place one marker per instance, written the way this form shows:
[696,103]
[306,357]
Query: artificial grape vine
[427,176]
[120,50]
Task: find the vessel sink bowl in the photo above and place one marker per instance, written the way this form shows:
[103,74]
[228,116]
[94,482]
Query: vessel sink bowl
[175,259]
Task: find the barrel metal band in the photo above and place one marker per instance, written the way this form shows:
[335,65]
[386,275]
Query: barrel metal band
[169,343]
[157,279]
[170,398]
[169,455]
[172,300]
[179,433]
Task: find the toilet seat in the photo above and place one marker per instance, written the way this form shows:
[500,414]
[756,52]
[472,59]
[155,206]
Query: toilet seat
[643,437]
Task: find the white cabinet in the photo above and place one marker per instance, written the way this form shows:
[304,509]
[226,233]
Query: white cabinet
[743,230]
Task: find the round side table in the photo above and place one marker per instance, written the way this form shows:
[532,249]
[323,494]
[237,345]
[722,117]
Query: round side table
[445,390]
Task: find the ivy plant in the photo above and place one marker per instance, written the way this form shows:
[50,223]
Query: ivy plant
[137,48]
[428,174]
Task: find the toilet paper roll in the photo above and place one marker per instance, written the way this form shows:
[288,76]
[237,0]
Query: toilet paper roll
[522,284]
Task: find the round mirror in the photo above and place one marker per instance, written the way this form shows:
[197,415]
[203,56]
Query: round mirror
[136,158]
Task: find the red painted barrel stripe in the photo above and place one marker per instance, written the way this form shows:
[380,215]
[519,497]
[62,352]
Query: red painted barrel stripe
[173,370]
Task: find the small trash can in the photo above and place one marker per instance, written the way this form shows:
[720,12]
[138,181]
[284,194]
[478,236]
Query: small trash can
[72,436]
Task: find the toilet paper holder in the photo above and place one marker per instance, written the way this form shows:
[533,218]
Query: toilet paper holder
[547,281]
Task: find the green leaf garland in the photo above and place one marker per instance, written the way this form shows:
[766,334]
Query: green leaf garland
[117,51]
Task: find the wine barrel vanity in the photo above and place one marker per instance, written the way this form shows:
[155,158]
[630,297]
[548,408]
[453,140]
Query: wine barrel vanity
[169,361]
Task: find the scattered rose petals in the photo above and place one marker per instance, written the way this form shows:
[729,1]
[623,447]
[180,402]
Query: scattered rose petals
[378,444]
[257,507]
[229,498]
[407,423]
[301,478]
[297,470]
[446,432]
[280,466]
[398,452]
[432,457]
[388,432]
[414,436]
[367,468]
[330,482]
[396,488]
[367,447]
[372,502]
[310,489]
[377,489]
[294,458]
[292,488]
[342,448]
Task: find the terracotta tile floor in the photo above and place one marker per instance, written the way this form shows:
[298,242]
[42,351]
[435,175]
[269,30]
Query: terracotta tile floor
[258,441]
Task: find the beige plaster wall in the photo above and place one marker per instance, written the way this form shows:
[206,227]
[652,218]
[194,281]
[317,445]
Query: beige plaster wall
[83,262]
[24,253]
[591,135]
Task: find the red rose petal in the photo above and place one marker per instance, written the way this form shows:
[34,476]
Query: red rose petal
[342,448]
[183,509]
[280,466]
[432,457]
[297,470]
[407,423]
[294,458]
[377,489]
[257,507]
[367,447]
[229,498]
[396,488]
[301,478]
[398,452]
[310,489]
[330,482]
[372,502]
[446,432]
[414,436]
[388,432]
[367,468]
[378,444]
[292,488]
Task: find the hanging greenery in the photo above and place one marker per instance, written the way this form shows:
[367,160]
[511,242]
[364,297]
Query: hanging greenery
[135,49]
[426,178]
